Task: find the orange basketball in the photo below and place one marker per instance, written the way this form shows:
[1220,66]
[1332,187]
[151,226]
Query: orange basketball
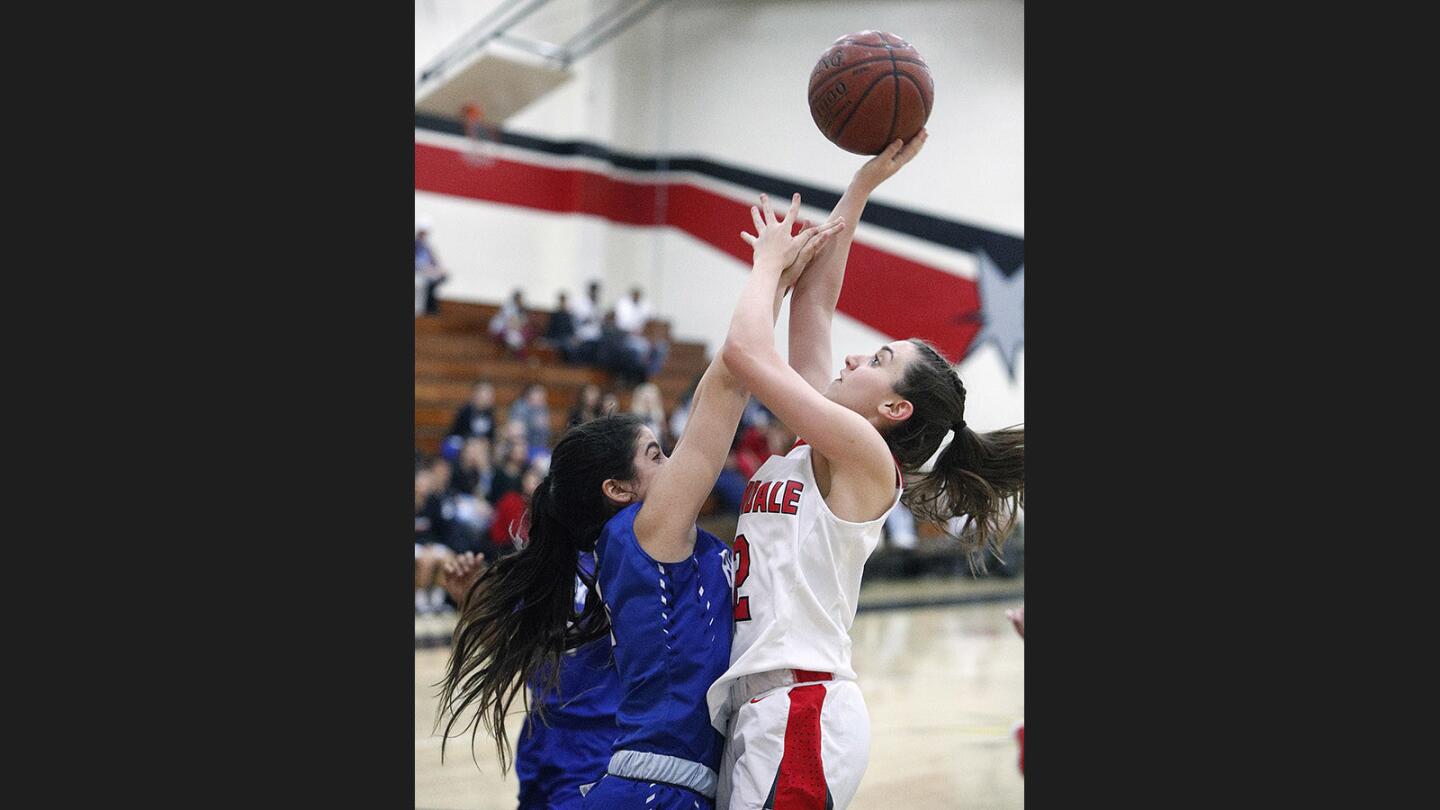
[868,89]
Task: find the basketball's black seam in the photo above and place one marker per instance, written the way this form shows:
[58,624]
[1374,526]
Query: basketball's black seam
[859,101]
[895,105]
[892,59]
[918,88]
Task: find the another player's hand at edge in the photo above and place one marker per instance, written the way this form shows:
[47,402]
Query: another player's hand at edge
[460,574]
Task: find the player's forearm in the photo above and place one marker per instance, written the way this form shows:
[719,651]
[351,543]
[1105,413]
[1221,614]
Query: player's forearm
[779,301]
[752,326]
[821,283]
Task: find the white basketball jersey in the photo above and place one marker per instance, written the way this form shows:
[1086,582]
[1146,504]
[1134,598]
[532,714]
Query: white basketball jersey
[796,581]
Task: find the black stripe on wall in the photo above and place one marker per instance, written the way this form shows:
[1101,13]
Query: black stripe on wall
[1008,252]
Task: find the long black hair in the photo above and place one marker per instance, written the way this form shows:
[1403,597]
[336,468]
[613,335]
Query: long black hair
[980,476]
[519,618]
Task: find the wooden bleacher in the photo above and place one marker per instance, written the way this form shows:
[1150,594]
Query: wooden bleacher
[453,351]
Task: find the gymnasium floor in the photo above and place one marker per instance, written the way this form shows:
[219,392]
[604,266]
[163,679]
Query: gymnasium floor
[944,683]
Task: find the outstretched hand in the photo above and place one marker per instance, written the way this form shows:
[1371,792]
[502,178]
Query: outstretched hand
[884,165]
[773,242]
[460,574]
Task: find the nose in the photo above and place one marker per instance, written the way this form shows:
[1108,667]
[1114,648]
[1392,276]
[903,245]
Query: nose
[852,360]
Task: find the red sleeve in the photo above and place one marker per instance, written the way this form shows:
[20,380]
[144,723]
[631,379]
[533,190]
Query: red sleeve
[507,513]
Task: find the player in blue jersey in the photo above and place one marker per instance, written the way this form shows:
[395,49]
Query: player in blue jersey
[558,753]
[660,590]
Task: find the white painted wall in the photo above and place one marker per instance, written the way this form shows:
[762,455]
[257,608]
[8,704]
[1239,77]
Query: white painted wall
[726,81]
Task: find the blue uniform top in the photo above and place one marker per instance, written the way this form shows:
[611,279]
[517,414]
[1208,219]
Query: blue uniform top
[589,685]
[670,623]
[573,746]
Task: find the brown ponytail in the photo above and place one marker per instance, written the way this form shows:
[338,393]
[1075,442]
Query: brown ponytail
[978,476]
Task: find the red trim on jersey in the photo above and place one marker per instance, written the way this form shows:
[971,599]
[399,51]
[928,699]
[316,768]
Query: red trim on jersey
[807,676]
[801,782]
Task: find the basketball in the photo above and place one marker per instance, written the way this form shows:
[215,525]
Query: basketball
[868,89]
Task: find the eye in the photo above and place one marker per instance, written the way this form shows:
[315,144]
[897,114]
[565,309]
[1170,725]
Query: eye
[875,361]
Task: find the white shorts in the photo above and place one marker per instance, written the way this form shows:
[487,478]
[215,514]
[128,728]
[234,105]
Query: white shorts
[806,744]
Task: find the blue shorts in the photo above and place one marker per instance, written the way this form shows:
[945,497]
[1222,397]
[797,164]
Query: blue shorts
[618,792]
[553,762]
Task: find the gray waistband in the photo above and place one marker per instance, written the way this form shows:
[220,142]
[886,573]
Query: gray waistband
[647,767]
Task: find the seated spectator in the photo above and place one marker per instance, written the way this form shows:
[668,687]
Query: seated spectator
[428,273]
[588,316]
[511,325]
[510,512]
[645,402]
[631,316]
[586,407]
[462,519]
[514,460]
[475,470]
[609,403]
[681,414]
[532,410]
[476,417]
[615,354]
[560,331]
[431,553]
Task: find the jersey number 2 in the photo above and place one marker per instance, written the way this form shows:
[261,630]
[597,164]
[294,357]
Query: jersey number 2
[742,573]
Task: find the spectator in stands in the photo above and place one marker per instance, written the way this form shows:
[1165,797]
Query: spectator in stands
[532,410]
[431,553]
[428,273]
[589,318]
[609,403]
[631,316]
[461,519]
[681,414]
[510,511]
[515,458]
[560,332]
[586,407]
[475,472]
[477,417]
[511,325]
[645,402]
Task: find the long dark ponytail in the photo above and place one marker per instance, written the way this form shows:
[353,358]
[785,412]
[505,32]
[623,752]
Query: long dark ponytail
[519,616]
[980,476]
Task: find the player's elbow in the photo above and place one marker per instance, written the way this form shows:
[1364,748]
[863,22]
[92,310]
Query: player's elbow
[736,356]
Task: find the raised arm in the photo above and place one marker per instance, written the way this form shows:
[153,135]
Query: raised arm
[665,526]
[844,437]
[813,304]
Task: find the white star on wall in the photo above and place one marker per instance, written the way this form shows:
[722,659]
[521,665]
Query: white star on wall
[1002,311]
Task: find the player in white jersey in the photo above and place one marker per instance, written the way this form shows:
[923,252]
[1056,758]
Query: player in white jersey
[798,733]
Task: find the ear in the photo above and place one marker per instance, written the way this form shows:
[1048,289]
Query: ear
[896,410]
[617,492]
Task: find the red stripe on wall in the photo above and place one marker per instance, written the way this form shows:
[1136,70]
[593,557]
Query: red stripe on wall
[891,294]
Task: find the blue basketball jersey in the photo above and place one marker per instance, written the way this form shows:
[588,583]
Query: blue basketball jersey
[670,626]
[552,761]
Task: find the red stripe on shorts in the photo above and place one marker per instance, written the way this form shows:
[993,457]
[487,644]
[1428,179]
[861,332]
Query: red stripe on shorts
[801,784]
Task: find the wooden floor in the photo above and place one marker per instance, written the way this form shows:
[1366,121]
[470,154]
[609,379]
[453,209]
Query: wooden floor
[944,685]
